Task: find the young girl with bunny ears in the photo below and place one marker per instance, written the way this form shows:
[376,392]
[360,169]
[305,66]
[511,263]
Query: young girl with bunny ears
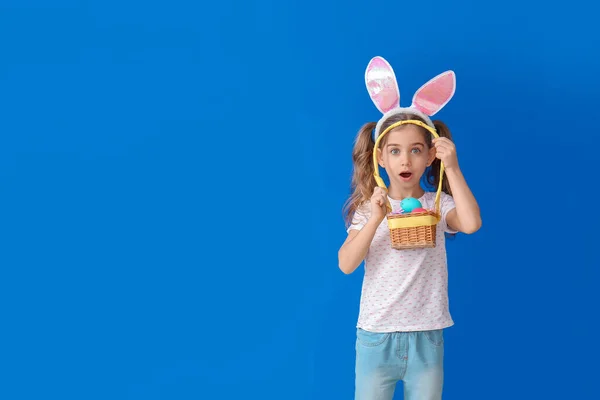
[404,301]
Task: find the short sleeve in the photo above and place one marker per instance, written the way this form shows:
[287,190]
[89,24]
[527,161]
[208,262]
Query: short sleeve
[446,205]
[360,217]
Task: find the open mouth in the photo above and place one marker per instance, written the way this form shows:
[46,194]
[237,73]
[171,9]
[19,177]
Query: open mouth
[405,175]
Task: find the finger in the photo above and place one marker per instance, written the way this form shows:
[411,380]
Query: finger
[439,148]
[445,153]
[446,145]
[442,140]
[445,149]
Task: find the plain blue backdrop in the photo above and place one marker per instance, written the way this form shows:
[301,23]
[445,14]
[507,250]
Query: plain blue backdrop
[172,176]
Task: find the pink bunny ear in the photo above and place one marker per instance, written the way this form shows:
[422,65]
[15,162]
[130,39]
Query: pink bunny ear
[381,85]
[435,94]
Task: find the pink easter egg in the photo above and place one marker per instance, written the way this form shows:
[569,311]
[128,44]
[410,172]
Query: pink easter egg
[419,210]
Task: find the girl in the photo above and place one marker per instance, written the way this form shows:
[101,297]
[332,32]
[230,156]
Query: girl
[404,300]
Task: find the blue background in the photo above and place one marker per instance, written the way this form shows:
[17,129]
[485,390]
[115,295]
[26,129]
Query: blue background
[172,176]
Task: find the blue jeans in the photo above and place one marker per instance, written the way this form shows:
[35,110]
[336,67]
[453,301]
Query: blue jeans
[383,359]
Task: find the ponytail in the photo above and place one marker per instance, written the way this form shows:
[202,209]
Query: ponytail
[363,183]
[433,175]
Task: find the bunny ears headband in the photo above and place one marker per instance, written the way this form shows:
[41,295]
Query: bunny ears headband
[384,92]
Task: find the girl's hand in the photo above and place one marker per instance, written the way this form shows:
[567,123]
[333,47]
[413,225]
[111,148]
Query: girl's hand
[446,152]
[379,204]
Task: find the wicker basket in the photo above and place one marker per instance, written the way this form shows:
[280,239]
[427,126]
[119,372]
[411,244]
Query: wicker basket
[413,230]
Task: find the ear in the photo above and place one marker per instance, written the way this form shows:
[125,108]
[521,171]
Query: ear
[381,85]
[435,94]
[431,156]
[380,158]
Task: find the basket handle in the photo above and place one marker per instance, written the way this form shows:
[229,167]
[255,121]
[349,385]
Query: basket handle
[380,181]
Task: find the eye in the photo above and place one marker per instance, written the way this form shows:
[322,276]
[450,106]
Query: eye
[395,151]
[416,150]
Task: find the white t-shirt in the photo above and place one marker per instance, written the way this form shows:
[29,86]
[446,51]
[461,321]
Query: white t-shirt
[405,290]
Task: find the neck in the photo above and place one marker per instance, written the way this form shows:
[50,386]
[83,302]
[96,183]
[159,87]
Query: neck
[397,193]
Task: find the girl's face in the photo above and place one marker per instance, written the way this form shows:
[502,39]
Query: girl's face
[405,156]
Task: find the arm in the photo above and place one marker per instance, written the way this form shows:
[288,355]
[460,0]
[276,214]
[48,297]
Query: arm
[466,216]
[356,246]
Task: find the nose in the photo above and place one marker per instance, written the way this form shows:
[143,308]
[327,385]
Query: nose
[404,159]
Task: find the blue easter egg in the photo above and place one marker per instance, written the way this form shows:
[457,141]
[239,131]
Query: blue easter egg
[409,204]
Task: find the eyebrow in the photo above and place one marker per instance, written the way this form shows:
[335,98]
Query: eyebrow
[414,144]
